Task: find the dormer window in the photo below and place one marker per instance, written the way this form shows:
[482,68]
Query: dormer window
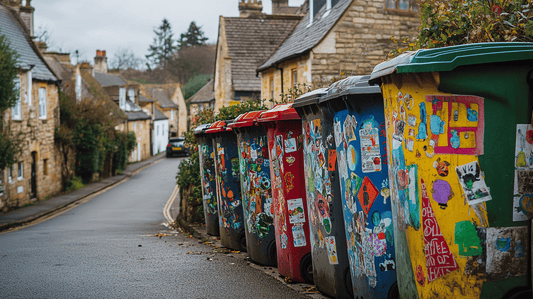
[316,5]
[131,95]
[122,98]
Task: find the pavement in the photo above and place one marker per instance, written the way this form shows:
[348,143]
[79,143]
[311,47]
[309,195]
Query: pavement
[43,208]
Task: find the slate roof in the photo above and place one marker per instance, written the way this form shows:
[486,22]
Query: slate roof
[158,115]
[137,115]
[250,42]
[304,38]
[162,94]
[107,80]
[12,27]
[206,94]
[143,99]
[97,89]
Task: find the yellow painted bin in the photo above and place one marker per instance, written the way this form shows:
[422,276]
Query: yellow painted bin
[460,154]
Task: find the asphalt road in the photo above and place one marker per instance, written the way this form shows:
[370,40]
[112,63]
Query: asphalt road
[115,246]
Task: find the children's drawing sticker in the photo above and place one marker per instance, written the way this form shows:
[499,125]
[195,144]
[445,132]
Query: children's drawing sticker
[441,167]
[290,145]
[283,240]
[331,246]
[472,182]
[370,151]
[352,157]
[409,101]
[467,239]
[337,132]
[296,210]
[505,247]
[298,235]
[289,185]
[442,193]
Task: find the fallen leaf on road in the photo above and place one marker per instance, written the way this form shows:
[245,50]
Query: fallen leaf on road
[311,290]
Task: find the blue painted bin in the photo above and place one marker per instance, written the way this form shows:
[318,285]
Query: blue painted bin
[331,273]
[256,190]
[207,169]
[230,212]
[359,134]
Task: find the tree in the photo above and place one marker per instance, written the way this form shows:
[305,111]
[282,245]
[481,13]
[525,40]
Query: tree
[163,46]
[454,22]
[192,61]
[125,59]
[193,37]
[9,91]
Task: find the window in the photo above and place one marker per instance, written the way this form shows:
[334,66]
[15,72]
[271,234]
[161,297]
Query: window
[272,87]
[10,174]
[42,103]
[122,98]
[131,95]
[16,110]
[172,115]
[294,77]
[401,5]
[157,132]
[78,87]
[21,171]
[134,127]
[28,89]
[45,166]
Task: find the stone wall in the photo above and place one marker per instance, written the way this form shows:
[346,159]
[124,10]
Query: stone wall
[361,39]
[142,134]
[302,66]
[223,84]
[37,136]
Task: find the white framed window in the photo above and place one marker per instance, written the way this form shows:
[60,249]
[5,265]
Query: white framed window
[20,171]
[157,131]
[401,5]
[28,88]
[42,103]
[122,98]
[16,110]
[131,95]
[134,127]
[78,87]
[172,115]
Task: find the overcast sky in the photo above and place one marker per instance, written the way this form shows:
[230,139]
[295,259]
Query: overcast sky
[109,25]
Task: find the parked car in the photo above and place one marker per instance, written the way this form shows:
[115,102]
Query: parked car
[177,147]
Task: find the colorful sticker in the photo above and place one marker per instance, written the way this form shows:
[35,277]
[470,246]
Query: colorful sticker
[507,248]
[370,152]
[296,210]
[523,177]
[332,159]
[472,182]
[439,259]
[290,145]
[467,239]
[332,250]
[298,235]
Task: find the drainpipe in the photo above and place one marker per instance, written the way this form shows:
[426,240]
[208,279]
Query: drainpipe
[281,71]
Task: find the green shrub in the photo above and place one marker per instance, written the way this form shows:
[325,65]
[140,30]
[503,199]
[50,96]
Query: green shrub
[74,184]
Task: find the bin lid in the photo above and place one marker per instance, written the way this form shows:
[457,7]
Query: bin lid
[357,85]
[201,129]
[219,126]
[247,119]
[278,113]
[309,98]
[448,58]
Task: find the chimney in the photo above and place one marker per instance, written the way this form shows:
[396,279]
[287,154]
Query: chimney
[100,62]
[26,14]
[250,7]
[41,46]
[277,6]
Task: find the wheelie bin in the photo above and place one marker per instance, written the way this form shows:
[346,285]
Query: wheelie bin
[460,147]
[284,130]
[256,191]
[331,273]
[230,210]
[207,169]
[359,134]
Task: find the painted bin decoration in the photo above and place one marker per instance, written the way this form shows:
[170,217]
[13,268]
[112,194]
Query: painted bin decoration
[459,148]
[284,130]
[207,170]
[228,186]
[331,273]
[256,194]
[359,135]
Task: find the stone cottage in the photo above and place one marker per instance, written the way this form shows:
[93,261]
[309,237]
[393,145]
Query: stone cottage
[126,95]
[335,39]
[245,42]
[35,116]
[202,99]
[168,98]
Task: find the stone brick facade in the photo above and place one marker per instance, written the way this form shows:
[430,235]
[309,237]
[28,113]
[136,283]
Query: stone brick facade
[141,128]
[38,149]
[359,40]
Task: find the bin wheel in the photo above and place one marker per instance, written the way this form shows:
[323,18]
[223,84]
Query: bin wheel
[394,292]
[273,254]
[518,293]
[348,282]
[306,268]
[242,242]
